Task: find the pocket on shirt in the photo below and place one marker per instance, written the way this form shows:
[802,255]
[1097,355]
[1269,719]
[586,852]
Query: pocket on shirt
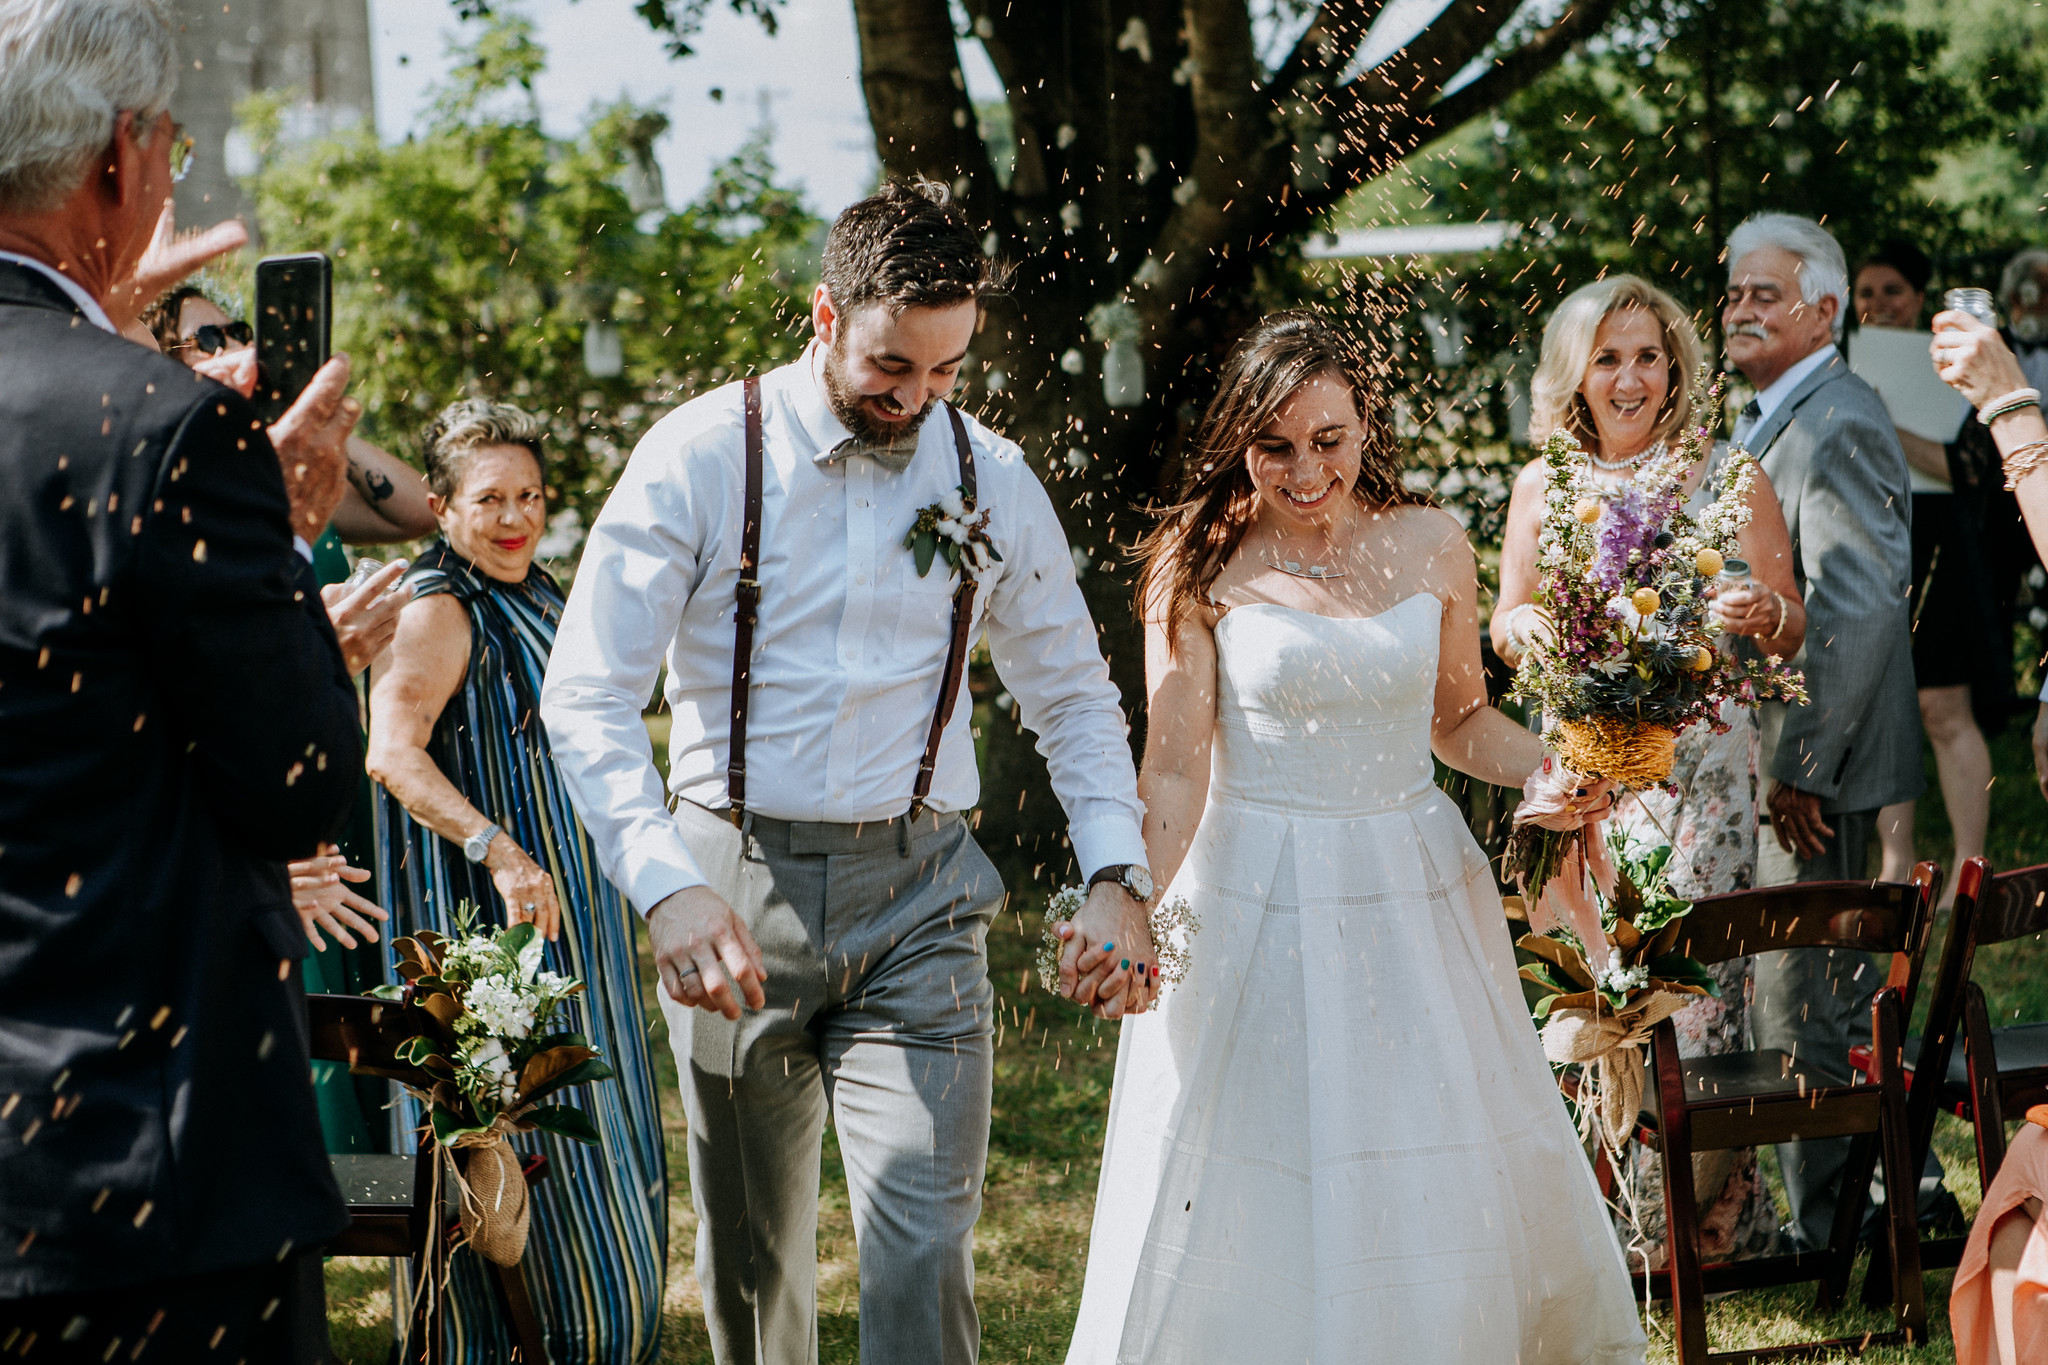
[924,619]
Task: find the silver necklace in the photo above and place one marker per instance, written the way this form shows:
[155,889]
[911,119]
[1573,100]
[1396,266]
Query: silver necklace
[1295,569]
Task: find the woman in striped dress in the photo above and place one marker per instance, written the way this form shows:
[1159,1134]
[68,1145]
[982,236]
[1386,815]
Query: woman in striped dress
[474,813]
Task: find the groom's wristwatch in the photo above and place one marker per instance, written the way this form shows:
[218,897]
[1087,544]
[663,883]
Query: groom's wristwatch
[478,844]
[1135,878]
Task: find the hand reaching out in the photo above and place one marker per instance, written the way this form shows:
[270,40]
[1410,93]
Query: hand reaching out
[365,617]
[324,901]
[169,259]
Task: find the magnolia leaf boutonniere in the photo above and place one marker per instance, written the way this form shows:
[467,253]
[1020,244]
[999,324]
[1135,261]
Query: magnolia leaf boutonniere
[951,527]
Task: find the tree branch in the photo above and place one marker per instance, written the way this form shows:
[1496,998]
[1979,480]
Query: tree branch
[1329,43]
[917,103]
[1515,72]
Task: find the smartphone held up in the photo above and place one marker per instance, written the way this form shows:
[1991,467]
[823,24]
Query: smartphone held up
[294,328]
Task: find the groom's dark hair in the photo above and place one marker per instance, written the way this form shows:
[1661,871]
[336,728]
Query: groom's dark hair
[907,246]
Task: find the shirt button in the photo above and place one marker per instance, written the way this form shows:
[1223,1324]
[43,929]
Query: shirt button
[849,656]
[838,796]
[860,578]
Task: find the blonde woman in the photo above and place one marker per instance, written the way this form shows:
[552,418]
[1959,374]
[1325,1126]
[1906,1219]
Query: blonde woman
[1620,360]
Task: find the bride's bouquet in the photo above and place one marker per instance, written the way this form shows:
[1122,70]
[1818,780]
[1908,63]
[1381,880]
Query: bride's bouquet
[1628,658]
[487,1064]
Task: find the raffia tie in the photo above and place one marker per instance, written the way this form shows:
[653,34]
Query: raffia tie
[1610,1047]
[495,1207]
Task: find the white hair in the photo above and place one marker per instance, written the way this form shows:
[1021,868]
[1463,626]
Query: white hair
[67,70]
[2018,271]
[1823,269]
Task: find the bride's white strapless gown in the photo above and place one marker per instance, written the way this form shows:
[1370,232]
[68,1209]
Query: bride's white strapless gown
[1337,1140]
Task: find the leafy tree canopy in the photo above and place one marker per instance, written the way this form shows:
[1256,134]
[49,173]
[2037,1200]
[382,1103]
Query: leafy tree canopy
[482,257]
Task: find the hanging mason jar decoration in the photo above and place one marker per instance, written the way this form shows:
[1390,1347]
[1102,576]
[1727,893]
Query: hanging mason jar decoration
[1117,326]
[604,355]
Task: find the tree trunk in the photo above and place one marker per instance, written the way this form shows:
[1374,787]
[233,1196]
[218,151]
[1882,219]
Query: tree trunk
[1157,165]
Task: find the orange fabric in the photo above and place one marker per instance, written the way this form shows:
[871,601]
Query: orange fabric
[2023,1176]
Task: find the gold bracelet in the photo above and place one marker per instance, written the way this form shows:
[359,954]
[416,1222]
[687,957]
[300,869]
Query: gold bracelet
[1784,612]
[2024,461]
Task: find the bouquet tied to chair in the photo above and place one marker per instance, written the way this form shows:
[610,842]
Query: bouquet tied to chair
[487,1064]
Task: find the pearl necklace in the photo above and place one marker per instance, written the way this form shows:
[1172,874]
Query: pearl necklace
[1634,461]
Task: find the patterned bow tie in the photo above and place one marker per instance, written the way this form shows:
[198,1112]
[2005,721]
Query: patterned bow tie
[892,456]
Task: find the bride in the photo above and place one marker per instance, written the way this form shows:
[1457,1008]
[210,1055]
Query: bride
[1337,1138]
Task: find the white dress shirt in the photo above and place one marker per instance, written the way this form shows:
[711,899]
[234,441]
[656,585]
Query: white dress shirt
[73,290]
[850,648]
[1781,388]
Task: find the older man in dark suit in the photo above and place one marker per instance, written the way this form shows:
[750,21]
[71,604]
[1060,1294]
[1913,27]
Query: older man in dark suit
[1827,443]
[176,721]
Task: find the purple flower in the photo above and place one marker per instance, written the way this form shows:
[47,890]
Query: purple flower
[1627,527]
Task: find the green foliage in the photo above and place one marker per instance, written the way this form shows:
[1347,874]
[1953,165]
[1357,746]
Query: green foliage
[1642,154]
[473,259]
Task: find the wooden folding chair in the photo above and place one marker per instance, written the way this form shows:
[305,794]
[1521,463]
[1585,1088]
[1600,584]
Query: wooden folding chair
[1999,1071]
[1750,1099]
[390,1198]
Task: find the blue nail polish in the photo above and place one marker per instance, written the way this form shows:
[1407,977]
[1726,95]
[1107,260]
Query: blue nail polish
[1108,947]
[1127,964]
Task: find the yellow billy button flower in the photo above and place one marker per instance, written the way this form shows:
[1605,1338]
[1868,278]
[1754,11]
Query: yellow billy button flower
[1708,562]
[1702,659]
[1645,600]
[1587,510]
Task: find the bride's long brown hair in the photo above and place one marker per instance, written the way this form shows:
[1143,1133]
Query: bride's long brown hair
[1196,536]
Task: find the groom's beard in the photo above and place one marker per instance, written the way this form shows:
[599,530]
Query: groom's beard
[848,404]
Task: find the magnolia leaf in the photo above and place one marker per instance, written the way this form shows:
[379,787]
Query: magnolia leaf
[390,991]
[1559,954]
[415,1050]
[545,1066]
[1515,908]
[449,1125]
[443,1007]
[990,546]
[1625,935]
[1666,940]
[1578,1000]
[515,939]
[411,969]
[1541,974]
[927,545]
[546,1042]
[562,1121]
[592,1069]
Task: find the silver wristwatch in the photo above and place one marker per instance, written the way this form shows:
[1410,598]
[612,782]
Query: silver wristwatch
[1135,878]
[478,844]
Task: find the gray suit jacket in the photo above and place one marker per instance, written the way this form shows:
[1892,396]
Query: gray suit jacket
[1841,476]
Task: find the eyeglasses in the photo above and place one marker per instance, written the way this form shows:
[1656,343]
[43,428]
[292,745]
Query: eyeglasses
[213,338]
[182,154]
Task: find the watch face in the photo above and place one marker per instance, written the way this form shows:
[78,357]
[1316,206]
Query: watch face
[1139,882]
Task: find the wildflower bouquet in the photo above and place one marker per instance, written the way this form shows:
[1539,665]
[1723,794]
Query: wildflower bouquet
[490,1060]
[1599,1018]
[1630,656]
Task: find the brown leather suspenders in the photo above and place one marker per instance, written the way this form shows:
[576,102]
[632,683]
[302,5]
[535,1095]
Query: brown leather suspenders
[747,614]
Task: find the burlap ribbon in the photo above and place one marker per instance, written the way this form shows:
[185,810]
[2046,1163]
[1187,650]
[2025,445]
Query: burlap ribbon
[1609,1046]
[495,1207]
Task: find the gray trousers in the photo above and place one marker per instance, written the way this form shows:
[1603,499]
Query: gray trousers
[879,1013]
[1815,1004]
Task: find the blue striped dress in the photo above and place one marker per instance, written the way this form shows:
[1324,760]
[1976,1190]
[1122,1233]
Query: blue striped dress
[597,1253]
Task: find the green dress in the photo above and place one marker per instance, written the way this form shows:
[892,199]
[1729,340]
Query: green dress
[351,1109]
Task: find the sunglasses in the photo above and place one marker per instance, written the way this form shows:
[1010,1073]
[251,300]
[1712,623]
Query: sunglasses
[213,338]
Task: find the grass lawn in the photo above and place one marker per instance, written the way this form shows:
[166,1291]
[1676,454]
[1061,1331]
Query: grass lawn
[1053,1069]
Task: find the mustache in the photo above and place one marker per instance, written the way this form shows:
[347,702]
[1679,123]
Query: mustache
[1749,329]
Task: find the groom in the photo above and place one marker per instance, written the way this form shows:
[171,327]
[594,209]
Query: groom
[809,883]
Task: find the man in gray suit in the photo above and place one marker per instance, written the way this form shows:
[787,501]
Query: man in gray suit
[1827,443]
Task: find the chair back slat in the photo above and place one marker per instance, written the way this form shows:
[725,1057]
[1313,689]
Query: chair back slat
[362,1032]
[2013,905]
[1871,917]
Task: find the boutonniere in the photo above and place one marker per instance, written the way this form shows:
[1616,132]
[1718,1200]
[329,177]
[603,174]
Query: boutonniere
[951,527]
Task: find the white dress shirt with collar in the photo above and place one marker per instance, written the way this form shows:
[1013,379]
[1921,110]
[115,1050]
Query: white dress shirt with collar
[73,290]
[1781,388]
[850,647]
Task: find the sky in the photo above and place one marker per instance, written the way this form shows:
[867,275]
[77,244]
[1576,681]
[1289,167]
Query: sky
[807,79]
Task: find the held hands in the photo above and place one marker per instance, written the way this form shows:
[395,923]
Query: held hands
[323,902]
[365,617]
[704,953]
[1796,818]
[1973,359]
[528,890]
[1109,963]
